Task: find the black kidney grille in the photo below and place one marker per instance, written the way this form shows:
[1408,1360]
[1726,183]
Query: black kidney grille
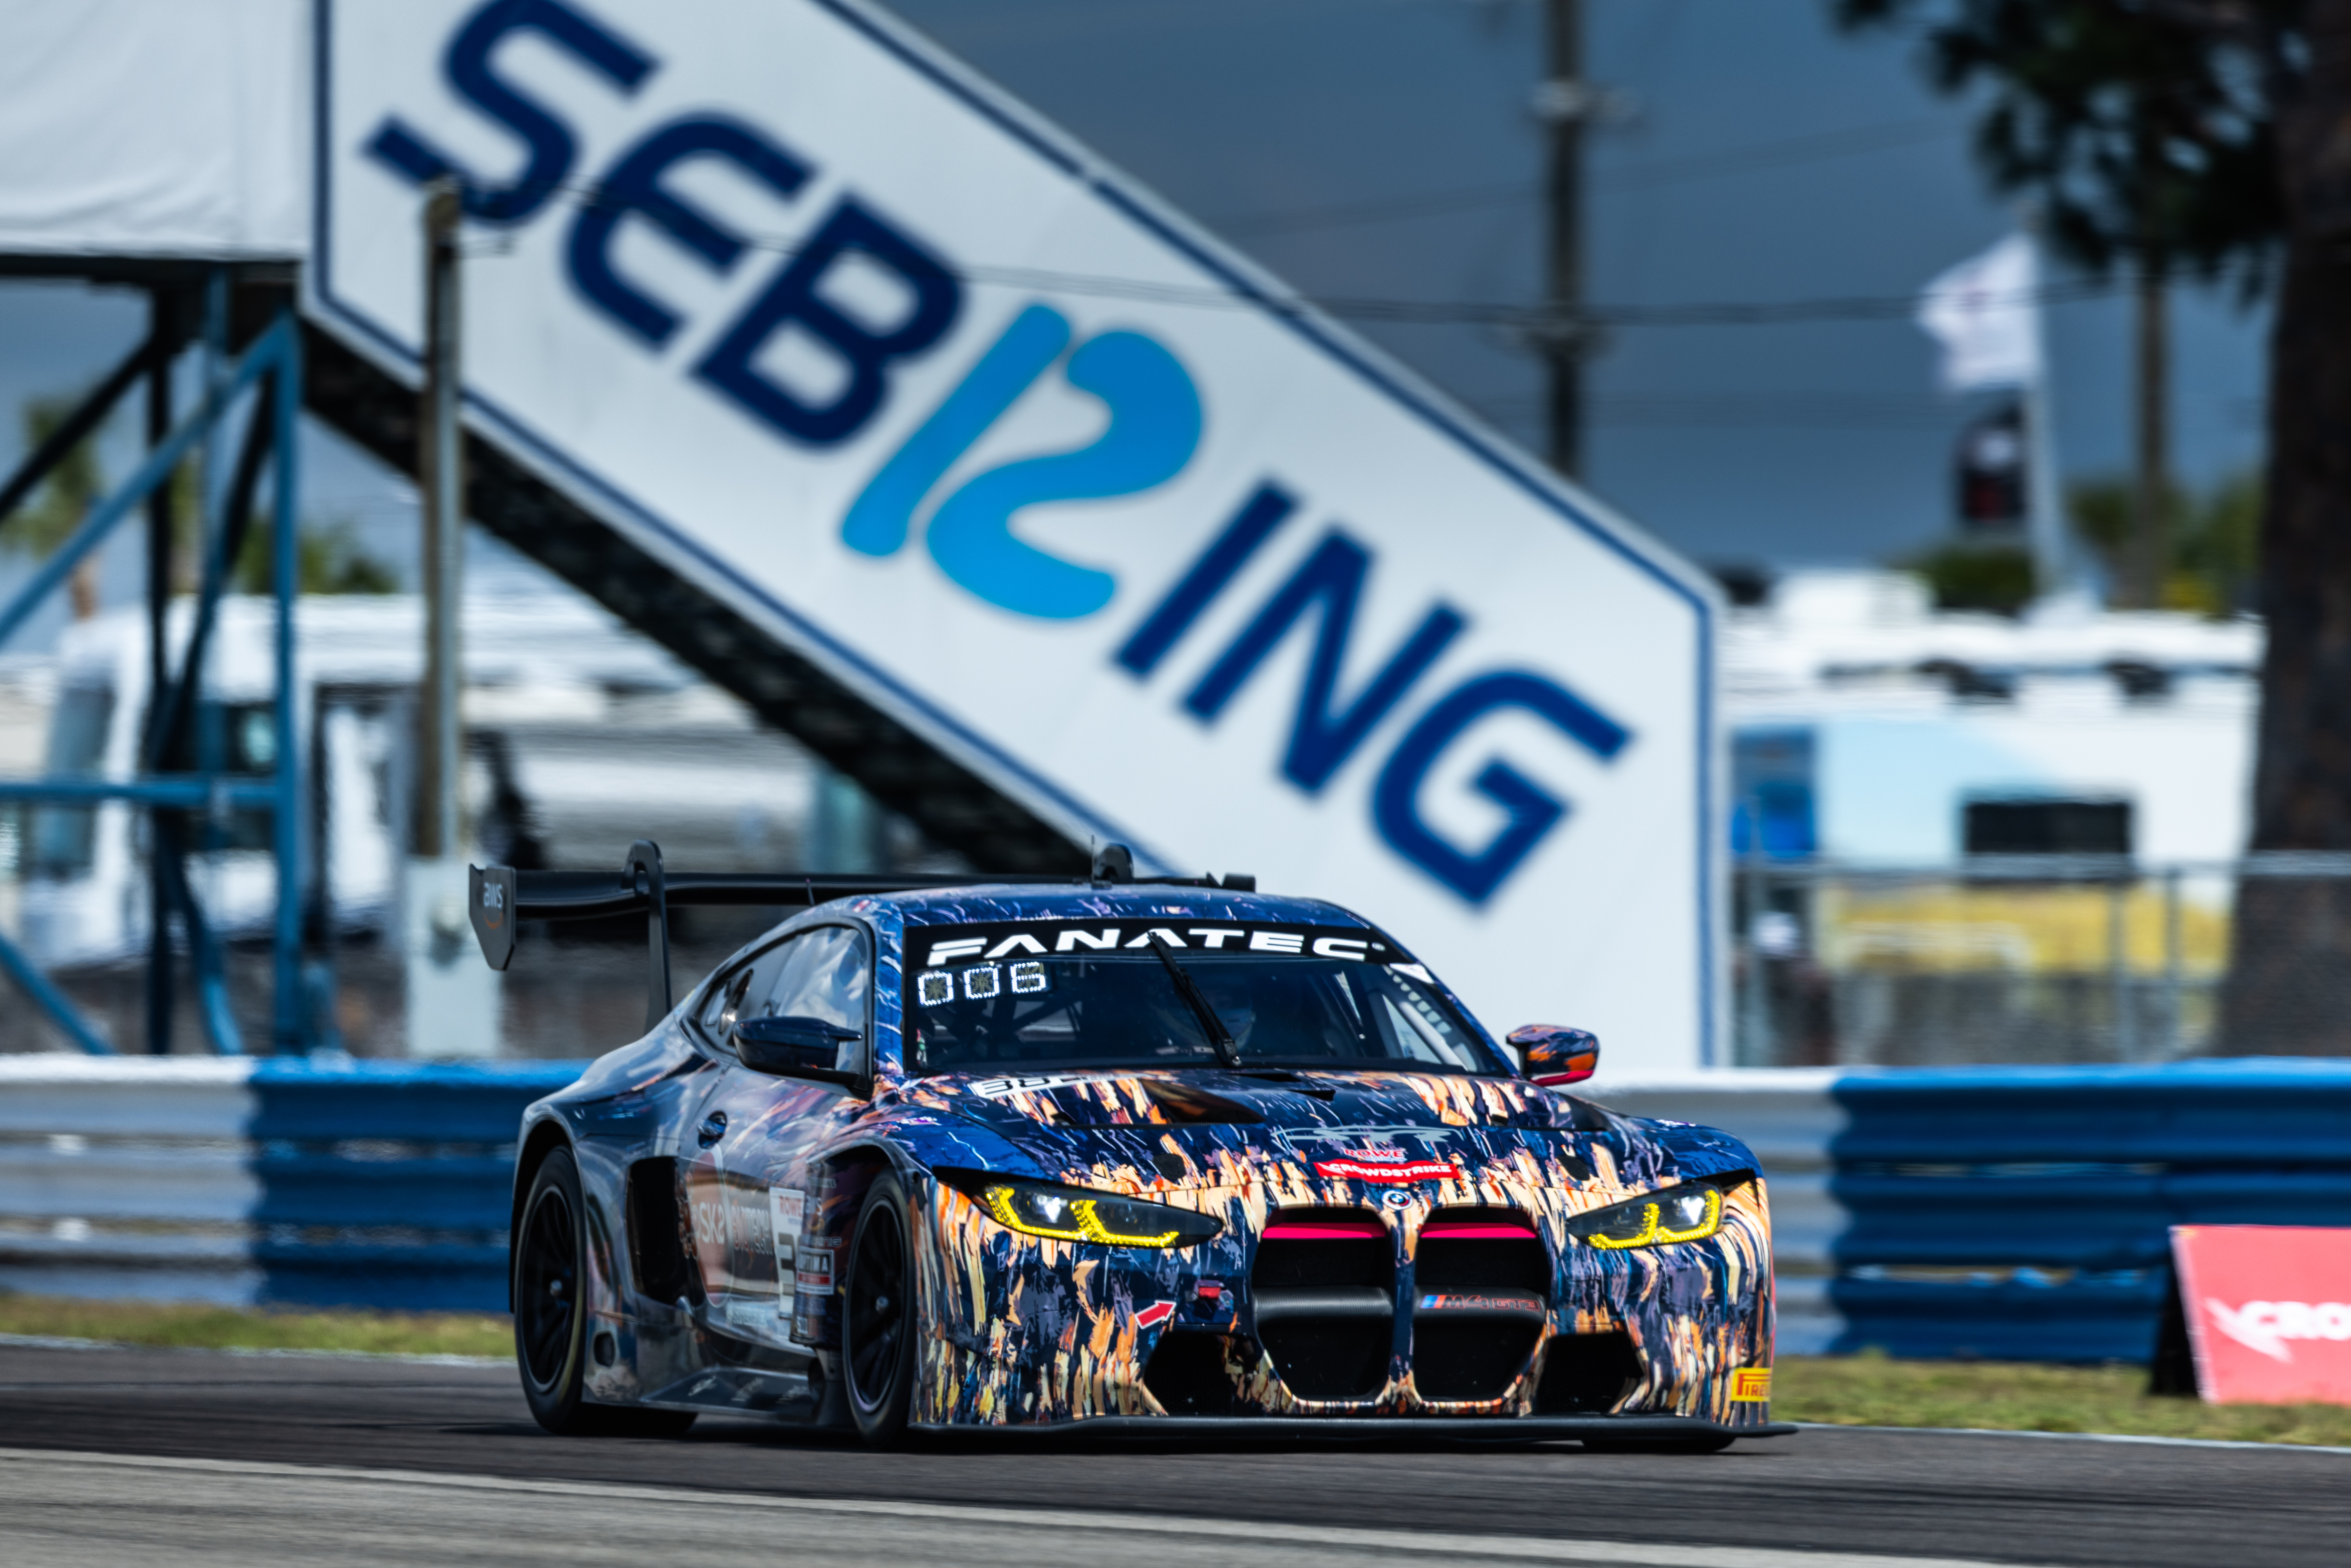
[1311,1249]
[1473,1358]
[1481,1282]
[1324,1291]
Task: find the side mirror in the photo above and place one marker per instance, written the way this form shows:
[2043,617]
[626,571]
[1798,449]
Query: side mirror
[795,1047]
[1554,1056]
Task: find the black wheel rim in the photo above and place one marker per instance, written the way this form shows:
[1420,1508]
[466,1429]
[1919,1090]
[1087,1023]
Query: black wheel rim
[547,1294]
[877,1309]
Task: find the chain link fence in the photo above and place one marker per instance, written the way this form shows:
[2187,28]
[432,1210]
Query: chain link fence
[2041,958]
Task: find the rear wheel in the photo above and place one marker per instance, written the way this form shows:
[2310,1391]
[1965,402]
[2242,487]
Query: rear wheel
[880,1326]
[551,1316]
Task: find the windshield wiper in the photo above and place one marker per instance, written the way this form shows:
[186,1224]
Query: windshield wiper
[1198,1000]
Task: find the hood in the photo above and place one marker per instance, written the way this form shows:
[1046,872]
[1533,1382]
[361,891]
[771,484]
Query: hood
[1270,1098]
[1204,1127]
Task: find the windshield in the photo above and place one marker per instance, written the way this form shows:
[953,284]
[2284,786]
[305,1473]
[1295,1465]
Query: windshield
[1068,994]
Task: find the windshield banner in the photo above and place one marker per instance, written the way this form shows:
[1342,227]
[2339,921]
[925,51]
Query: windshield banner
[936,947]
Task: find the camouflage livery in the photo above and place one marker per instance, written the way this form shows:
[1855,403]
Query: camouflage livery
[720,1203]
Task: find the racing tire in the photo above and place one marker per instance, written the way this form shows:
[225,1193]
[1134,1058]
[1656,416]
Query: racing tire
[1658,1445]
[879,1319]
[551,1316]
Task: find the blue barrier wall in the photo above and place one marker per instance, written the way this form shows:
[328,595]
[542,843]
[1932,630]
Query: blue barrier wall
[243,1180]
[388,1183]
[2022,1213]
[2001,1212]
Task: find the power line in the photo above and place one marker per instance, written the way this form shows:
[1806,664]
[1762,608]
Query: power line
[1823,409]
[1625,177]
[1778,154]
[1348,214]
[1533,319]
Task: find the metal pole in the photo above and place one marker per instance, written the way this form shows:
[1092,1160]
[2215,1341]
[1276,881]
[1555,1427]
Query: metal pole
[452,1004]
[440,465]
[2150,552]
[2175,1044]
[2045,523]
[1565,105]
[1756,1045]
[159,602]
[2118,965]
[220,481]
[292,1029]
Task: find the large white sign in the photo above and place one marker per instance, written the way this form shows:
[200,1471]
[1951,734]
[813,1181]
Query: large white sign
[154,128]
[908,377]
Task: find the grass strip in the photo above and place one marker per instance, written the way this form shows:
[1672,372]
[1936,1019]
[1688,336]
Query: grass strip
[1874,1390]
[196,1325]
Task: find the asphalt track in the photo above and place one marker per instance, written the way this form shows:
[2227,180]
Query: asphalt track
[113,1456]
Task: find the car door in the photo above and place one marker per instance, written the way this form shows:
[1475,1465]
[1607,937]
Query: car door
[751,1193]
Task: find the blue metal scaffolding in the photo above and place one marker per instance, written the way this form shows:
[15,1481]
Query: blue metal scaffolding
[268,377]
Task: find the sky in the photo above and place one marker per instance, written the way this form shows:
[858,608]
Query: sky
[1386,150]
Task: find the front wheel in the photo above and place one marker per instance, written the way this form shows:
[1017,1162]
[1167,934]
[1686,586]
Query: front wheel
[879,1328]
[551,1316]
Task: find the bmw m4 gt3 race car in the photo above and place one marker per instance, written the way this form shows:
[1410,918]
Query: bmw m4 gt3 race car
[1160,1158]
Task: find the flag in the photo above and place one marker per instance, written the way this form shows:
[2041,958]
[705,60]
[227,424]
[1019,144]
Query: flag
[1986,314]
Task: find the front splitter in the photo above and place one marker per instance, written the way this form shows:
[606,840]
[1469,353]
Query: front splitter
[1395,1428]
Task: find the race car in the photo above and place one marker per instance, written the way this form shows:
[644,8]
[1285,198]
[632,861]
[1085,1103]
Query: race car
[1157,1156]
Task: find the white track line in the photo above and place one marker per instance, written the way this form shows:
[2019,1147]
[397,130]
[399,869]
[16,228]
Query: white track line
[1373,1543]
[413,1358]
[2270,1448]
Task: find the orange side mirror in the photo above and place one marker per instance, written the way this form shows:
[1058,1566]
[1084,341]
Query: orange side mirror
[1553,1056]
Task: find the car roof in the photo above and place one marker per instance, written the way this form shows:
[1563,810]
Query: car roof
[984,903]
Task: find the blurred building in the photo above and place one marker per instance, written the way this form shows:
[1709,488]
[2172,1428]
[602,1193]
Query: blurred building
[581,736]
[1965,838]
[1866,727]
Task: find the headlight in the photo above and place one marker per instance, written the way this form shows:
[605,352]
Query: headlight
[1677,1214]
[1080,1214]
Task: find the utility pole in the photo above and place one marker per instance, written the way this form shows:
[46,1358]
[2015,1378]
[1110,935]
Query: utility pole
[1564,104]
[452,996]
[2055,566]
[440,471]
[2150,545]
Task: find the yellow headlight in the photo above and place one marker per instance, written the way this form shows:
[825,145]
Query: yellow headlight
[1062,1214]
[1677,1214]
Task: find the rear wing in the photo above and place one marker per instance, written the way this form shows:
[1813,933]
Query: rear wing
[500,898]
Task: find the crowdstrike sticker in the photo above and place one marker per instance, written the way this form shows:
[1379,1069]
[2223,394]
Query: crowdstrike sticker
[2267,1326]
[1391,1171]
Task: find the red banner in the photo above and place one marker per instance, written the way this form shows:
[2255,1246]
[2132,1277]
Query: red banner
[2269,1312]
